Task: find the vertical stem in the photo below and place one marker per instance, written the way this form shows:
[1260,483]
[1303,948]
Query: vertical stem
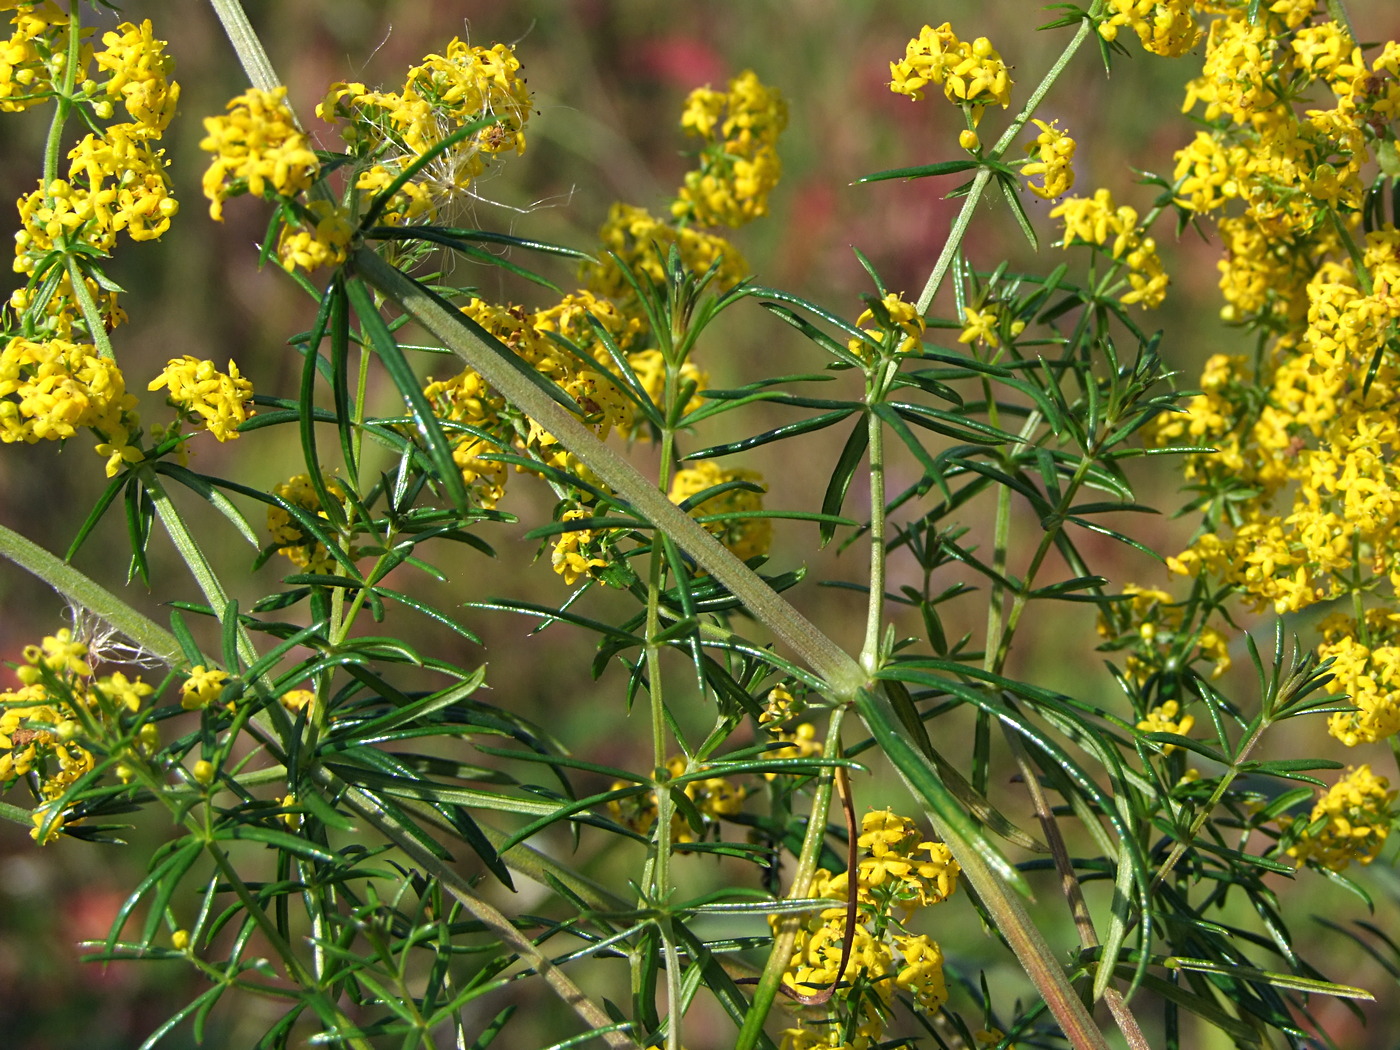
[657,873]
[781,952]
[870,652]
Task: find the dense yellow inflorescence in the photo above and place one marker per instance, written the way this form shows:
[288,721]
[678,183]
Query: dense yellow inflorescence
[739,166]
[214,400]
[747,537]
[1351,822]
[899,873]
[971,73]
[47,724]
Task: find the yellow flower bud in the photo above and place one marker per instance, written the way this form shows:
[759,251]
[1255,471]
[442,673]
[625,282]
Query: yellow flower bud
[204,771]
[969,140]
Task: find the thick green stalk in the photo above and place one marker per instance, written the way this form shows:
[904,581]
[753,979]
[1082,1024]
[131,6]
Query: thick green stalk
[86,595]
[842,674]
[251,54]
[1005,910]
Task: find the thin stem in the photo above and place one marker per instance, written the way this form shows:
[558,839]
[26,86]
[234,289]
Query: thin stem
[1073,891]
[783,943]
[64,102]
[874,617]
[984,175]
[658,867]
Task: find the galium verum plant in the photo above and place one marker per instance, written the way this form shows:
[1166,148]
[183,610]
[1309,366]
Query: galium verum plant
[321,812]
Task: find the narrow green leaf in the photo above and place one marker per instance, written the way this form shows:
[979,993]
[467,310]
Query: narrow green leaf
[852,453]
[425,421]
[922,171]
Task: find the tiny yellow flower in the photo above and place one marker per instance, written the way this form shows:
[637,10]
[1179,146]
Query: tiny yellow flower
[202,687]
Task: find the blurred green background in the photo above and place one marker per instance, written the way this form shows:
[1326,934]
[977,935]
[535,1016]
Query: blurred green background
[609,79]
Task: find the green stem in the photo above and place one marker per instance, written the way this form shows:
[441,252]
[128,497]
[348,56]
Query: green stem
[83,593]
[657,873]
[64,102]
[841,673]
[874,616]
[251,53]
[984,175]
[783,943]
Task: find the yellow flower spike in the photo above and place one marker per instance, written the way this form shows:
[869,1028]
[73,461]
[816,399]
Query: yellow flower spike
[256,143]
[292,540]
[739,166]
[573,556]
[1356,818]
[971,73]
[1165,27]
[326,243]
[746,537]
[905,322]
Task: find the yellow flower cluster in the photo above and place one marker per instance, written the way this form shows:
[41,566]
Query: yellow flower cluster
[116,181]
[215,400]
[29,57]
[1366,668]
[258,147]
[715,798]
[747,537]
[898,874]
[289,537]
[43,729]
[1349,823]
[901,334]
[739,166]
[1155,625]
[1097,221]
[972,74]
[49,390]
[466,399]
[323,239]
[574,554]
[641,241]
[387,130]
[1053,150]
[1321,444]
[1165,27]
